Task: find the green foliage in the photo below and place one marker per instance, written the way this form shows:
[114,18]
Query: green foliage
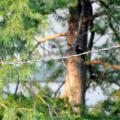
[18,26]
[9,114]
[56,73]
[108,109]
[111,21]
[22,107]
[20,21]
[48,6]
[107,73]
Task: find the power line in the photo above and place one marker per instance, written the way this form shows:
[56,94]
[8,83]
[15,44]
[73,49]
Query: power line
[57,58]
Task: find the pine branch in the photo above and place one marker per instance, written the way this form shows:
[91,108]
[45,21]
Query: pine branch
[113,29]
[30,88]
[103,3]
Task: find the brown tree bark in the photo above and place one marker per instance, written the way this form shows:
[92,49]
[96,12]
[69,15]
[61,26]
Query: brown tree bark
[75,85]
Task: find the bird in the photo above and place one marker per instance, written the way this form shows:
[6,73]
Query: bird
[79,50]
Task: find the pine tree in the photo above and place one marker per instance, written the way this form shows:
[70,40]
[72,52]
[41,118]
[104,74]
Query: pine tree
[21,20]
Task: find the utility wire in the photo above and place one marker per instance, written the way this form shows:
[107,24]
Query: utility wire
[57,58]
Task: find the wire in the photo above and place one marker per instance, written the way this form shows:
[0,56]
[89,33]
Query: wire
[56,58]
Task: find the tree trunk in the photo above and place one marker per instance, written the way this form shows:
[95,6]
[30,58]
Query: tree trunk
[75,85]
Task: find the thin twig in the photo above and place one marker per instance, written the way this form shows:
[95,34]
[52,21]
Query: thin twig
[17,84]
[49,108]
[33,94]
[56,92]
[16,88]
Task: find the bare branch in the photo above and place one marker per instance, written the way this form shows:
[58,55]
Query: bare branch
[59,88]
[102,13]
[17,84]
[107,65]
[16,88]
[115,82]
[45,39]
[52,37]
[113,29]
[92,17]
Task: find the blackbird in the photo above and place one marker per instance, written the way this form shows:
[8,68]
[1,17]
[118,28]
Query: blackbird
[79,51]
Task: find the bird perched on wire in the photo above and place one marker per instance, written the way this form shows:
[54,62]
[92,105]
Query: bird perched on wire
[79,51]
